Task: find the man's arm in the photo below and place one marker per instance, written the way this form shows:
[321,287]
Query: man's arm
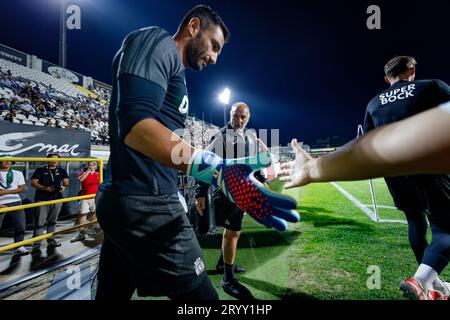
[35,184]
[419,144]
[157,142]
[20,189]
[35,181]
[65,178]
[83,176]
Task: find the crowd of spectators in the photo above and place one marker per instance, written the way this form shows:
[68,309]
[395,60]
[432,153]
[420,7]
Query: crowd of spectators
[198,133]
[27,102]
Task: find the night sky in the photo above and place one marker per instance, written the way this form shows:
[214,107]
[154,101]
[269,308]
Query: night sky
[308,68]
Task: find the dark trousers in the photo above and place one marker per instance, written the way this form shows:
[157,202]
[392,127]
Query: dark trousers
[417,232]
[149,246]
[437,254]
[45,215]
[122,288]
[18,220]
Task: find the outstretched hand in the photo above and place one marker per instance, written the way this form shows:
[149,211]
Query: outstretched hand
[296,173]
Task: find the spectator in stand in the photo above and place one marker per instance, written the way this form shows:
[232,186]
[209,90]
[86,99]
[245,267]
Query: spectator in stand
[49,123]
[41,111]
[13,111]
[15,100]
[8,81]
[9,117]
[58,124]
[5,81]
[26,90]
[50,109]
[4,104]
[27,107]
[12,183]
[89,180]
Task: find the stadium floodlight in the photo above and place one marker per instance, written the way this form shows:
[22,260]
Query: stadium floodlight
[224,97]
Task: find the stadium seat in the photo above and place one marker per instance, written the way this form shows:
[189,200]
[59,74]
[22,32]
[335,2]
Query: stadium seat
[40,77]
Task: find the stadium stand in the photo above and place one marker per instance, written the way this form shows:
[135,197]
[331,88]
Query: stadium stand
[33,97]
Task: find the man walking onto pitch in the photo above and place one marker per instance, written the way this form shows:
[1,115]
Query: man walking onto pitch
[416,196]
[149,243]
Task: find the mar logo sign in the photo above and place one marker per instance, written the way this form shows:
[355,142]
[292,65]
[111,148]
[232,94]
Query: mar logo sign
[22,140]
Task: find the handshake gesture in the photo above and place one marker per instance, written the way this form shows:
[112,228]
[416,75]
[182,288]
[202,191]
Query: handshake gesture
[235,178]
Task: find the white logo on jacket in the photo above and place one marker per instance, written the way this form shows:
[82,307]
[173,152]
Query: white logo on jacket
[199,266]
[184,105]
[398,94]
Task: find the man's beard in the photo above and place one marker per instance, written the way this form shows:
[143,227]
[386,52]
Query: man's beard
[194,51]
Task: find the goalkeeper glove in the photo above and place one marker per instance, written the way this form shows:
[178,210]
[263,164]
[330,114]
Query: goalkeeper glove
[235,178]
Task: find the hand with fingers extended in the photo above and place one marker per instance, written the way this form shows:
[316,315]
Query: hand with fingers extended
[235,178]
[296,173]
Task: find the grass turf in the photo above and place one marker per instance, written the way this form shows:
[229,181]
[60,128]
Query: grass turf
[326,255]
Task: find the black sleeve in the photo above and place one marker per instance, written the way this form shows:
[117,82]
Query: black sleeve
[138,99]
[368,121]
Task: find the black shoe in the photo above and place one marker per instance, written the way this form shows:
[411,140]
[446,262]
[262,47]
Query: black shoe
[236,290]
[53,244]
[35,251]
[220,268]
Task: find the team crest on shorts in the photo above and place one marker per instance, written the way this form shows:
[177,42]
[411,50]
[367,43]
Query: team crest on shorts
[199,266]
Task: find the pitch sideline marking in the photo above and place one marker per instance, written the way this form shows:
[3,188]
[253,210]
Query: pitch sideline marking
[363,207]
[381,206]
[355,201]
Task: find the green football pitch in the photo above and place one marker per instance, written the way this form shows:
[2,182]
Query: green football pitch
[335,252]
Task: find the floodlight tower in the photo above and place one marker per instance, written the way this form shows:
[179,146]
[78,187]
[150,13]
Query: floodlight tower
[224,97]
[62,34]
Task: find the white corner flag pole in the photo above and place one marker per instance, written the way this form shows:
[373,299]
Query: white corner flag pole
[372,190]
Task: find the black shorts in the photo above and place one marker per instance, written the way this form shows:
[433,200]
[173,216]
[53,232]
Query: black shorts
[150,243]
[435,196]
[405,193]
[226,213]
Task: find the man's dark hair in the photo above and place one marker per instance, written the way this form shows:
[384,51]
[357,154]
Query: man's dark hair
[52,155]
[207,18]
[399,65]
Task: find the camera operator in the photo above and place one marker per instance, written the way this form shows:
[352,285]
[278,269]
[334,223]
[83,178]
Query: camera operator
[50,181]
